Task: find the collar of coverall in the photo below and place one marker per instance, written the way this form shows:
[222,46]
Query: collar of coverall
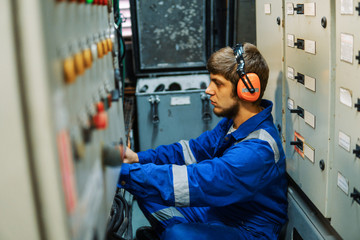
[252,123]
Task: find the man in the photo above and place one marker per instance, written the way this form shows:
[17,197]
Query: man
[229,183]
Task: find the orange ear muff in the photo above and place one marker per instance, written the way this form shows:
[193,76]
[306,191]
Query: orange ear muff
[243,91]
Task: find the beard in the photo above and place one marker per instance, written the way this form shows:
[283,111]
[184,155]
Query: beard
[229,112]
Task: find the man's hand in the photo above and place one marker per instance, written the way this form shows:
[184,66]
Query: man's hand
[130,156]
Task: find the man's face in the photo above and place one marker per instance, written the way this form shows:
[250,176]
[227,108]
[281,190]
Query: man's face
[222,97]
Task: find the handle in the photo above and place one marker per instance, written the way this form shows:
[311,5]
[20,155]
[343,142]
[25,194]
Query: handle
[206,114]
[154,101]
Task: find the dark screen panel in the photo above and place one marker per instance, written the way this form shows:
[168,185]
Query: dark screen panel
[171,34]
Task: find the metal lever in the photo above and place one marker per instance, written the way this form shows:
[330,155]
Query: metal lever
[356,151]
[154,101]
[113,156]
[300,78]
[206,115]
[358,56]
[356,195]
[357,105]
[299,8]
[300,44]
[298,143]
[299,111]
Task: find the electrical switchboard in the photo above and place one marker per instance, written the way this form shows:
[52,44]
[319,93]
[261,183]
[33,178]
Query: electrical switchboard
[344,180]
[309,90]
[270,15]
[70,109]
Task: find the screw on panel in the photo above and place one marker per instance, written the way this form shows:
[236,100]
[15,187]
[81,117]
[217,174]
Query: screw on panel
[278,21]
[324,22]
[322,165]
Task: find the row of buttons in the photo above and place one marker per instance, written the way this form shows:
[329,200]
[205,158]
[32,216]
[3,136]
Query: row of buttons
[76,64]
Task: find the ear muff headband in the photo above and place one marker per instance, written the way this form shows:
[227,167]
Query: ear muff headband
[248,88]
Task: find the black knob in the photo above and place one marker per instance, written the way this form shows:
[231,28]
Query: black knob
[322,165]
[278,21]
[324,22]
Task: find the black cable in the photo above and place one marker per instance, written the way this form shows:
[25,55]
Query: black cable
[119,224]
[121,38]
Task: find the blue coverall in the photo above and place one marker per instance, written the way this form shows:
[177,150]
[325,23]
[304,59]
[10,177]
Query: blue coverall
[220,185]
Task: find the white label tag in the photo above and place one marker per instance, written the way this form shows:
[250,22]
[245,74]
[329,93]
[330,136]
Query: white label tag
[290,104]
[309,9]
[347,7]
[267,8]
[310,83]
[345,97]
[290,73]
[291,40]
[346,47]
[344,141]
[343,183]
[289,8]
[309,118]
[309,152]
[180,101]
[310,46]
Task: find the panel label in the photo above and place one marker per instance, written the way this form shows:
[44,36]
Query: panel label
[310,46]
[267,8]
[289,8]
[175,101]
[309,118]
[310,83]
[347,7]
[309,152]
[297,136]
[344,141]
[290,103]
[345,97]
[291,40]
[343,183]
[309,9]
[346,47]
[290,73]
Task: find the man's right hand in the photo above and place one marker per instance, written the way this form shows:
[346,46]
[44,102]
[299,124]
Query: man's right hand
[130,156]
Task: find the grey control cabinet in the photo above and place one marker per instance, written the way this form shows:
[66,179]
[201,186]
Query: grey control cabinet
[166,115]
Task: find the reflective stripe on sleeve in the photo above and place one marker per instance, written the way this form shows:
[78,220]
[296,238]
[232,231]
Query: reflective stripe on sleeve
[188,155]
[166,214]
[265,136]
[181,186]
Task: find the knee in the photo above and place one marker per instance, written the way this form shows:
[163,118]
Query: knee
[177,232]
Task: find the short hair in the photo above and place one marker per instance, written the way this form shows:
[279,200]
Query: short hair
[223,62]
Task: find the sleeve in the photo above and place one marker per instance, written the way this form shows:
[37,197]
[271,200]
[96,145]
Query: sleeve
[185,152]
[234,177]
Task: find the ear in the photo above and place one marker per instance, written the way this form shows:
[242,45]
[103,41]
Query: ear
[243,91]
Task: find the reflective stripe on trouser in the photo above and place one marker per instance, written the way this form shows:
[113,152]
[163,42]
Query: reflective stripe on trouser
[160,216]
